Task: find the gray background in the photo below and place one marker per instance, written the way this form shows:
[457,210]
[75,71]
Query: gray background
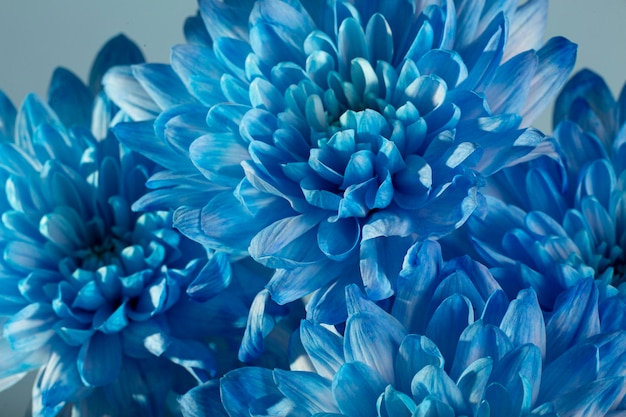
[38,35]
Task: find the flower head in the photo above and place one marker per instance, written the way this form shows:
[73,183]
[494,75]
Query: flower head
[335,134]
[469,352]
[114,307]
[555,222]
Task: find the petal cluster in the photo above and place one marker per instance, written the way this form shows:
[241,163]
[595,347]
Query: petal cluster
[103,301]
[562,220]
[508,358]
[323,139]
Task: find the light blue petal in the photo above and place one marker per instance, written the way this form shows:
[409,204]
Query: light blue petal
[523,322]
[126,92]
[508,91]
[282,24]
[479,341]
[434,381]
[357,380]
[200,72]
[325,348]
[261,320]
[203,400]
[372,336]
[239,388]
[286,242]
[394,403]
[30,328]
[309,391]
[574,318]
[473,382]
[162,84]
[225,19]
[415,285]
[556,61]
[57,383]
[527,29]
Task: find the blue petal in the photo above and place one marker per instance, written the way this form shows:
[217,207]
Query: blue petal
[162,84]
[239,388]
[261,320]
[415,353]
[379,264]
[574,318]
[70,99]
[226,19]
[203,400]
[100,359]
[212,279]
[527,29]
[310,391]
[433,381]
[7,117]
[57,383]
[473,382]
[415,285]
[395,403]
[447,324]
[523,322]
[200,71]
[508,91]
[286,242]
[124,89]
[282,24]
[479,341]
[119,50]
[372,336]
[357,380]
[30,328]
[325,349]
[556,61]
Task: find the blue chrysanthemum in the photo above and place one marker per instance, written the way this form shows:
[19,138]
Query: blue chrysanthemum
[114,307]
[554,222]
[453,345]
[324,138]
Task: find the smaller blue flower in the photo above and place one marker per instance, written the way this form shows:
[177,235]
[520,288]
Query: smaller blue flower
[509,358]
[552,222]
[115,309]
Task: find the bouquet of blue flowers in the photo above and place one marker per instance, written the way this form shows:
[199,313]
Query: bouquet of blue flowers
[317,209]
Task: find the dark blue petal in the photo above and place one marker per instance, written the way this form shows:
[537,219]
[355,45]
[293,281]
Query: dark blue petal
[119,50]
[100,359]
[70,98]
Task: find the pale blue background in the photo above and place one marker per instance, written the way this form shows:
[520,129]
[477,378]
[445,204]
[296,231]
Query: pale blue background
[38,35]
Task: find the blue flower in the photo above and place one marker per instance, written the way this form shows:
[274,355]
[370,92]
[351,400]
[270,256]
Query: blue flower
[552,223]
[114,307]
[453,344]
[324,140]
